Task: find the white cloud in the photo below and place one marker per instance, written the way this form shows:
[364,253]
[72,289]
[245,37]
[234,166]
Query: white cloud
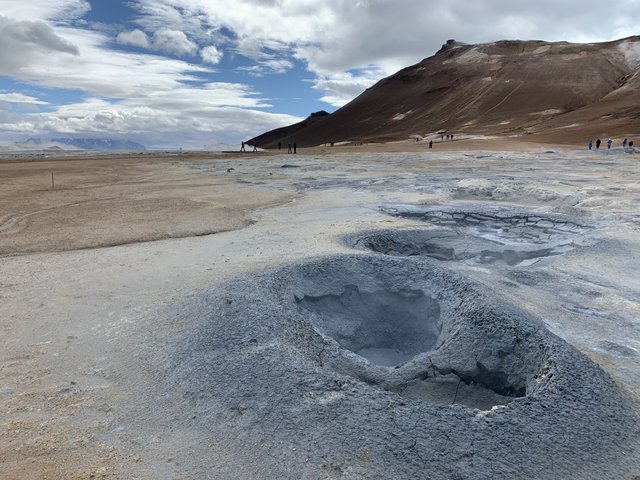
[159,122]
[173,41]
[14,97]
[7,116]
[135,38]
[54,10]
[340,88]
[25,42]
[211,55]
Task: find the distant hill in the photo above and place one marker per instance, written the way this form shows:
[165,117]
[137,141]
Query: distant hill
[551,92]
[102,144]
[284,135]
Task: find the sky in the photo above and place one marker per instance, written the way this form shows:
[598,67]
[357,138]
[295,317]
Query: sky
[197,73]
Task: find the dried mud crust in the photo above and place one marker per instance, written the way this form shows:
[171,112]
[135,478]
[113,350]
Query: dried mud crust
[473,388]
[504,237]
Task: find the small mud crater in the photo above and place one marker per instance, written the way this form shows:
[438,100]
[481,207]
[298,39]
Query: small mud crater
[511,239]
[385,327]
[421,343]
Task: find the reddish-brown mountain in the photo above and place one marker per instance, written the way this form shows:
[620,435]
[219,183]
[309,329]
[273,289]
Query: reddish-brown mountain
[550,92]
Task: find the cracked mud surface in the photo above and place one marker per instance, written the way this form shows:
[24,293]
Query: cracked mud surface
[486,236]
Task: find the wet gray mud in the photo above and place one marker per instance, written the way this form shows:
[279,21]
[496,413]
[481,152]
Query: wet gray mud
[360,322]
[371,366]
[497,237]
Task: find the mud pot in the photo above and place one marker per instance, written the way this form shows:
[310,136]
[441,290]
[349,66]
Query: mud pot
[503,238]
[395,355]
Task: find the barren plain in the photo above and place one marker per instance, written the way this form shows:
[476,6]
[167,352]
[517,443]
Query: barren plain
[358,312]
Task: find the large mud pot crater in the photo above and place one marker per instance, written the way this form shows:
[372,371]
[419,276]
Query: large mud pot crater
[387,328]
[306,367]
[501,237]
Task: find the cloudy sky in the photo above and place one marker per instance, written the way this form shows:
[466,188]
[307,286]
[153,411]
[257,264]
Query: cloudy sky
[195,73]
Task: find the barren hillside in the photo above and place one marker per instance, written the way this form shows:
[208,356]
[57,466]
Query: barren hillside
[550,92]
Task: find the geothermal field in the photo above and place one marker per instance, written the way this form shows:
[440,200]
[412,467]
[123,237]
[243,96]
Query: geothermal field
[363,312]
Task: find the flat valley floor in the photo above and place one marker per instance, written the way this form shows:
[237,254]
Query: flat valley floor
[106,264]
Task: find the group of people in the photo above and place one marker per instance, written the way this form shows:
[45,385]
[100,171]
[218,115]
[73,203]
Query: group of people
[442,138]
[625,143]
[293,147]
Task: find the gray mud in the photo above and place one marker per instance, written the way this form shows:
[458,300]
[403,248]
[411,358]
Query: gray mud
[369,366]
[504,237]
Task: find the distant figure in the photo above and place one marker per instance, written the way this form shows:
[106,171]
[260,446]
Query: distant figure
[452,137]
[430,143]
[295,147]
[590,144]
[242,148]
[631,144]
[624,143]
[609,142]
[255,149]
[442,138]
[289,148]
[279,145]
[598,142]
[417,139]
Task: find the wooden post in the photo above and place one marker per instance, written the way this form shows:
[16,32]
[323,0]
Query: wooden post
[53,186]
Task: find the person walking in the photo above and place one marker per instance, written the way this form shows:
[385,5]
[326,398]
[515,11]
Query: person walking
[624,143]
[598,142]
[590,144]
[609,143]
[430,143]
[289,147]
[295,147]
[242,147]
[279,145]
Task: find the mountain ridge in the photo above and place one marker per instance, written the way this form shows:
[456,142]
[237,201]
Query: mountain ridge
[548,91]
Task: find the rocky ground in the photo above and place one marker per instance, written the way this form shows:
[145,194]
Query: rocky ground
[361,314]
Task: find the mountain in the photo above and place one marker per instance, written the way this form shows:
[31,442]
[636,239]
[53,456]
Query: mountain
[549,91]
[284,135]
[102,144]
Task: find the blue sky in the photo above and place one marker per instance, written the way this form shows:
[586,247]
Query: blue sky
[196,73]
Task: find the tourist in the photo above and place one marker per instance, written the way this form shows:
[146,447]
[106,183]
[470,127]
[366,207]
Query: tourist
[624,143]
[598,142]
[242,148]
[609,142]
[590,144]
[430,143]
